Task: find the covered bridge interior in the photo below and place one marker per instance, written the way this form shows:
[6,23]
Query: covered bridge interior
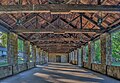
[63,31]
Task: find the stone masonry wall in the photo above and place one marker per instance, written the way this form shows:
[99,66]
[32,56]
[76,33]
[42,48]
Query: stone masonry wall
[5,71]
[113,71]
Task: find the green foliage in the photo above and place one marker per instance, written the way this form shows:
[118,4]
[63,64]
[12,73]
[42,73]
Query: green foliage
[20,45]
[116,44]
[20,60]
[3,39]
[3,64]
[97,51]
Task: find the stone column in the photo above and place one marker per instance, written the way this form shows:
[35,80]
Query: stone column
[69,57]
[34,53]
[90,53]
[108,49]
[84,53]
[47,57]
[82,56]
[79,57]
[70,60]
[40,56]
[105,51]
[75,53]
[73,57]
[27,51]
[37,56]
[12,49]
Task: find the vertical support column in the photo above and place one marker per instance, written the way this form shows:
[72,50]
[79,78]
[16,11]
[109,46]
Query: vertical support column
[41,56]
[79,57]
[27,51]
[108,49]
[90,52]
[70,58]
[84,53]
[12,49]
[34,53]
[37,56]
[73,57]
[75,54]
[47,57]
[105,51]
[82,56]
[44,57]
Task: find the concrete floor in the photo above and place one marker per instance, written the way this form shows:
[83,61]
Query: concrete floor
[58,73]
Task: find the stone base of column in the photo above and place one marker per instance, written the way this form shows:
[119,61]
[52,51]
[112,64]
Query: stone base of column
[70,62]
[74,62]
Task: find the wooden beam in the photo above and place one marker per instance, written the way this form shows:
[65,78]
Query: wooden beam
[69,23]
[57,47]
[59,8]
[57,30]
[29,18]
[68,1]
[56,39]
[57,44]
[52,21]
[92,21]
[47,21]
[81,27]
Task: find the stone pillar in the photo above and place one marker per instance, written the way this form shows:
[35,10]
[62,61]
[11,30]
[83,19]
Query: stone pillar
[12,49]
[44,57]
[34,53]
[70,60]
[47,57]
[82,56]
[41,56]
[84,53]
[90,52]
[108,49]
[79,57]
[75,55]
[69,57]
[105,51]
[27,51]
[37,56]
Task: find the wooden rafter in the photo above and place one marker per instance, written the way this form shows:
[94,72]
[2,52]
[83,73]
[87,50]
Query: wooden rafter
[58,8]
[56,31]
[92,21]
[69,23]
[56,39]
